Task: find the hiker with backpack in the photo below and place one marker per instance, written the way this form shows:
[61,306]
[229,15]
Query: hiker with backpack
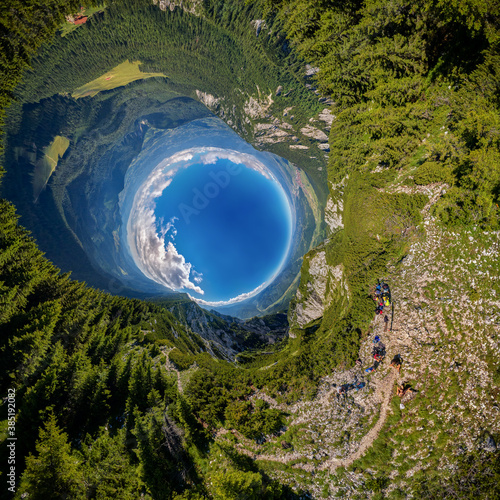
[386,321]
[396,362]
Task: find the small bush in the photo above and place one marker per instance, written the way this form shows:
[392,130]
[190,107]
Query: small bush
[253,421]
[182,361]
[432,171]
[496,377]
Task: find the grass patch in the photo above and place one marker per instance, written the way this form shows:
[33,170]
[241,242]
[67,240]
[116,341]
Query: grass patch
[120,75]
[46,166]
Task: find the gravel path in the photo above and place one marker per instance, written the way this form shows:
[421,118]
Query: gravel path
[385,389]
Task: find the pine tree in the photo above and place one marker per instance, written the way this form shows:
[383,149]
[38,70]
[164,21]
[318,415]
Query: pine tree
[54,473]
[107,468]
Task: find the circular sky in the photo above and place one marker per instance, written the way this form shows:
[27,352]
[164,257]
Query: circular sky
[159,206]
[165,204]
[213,222]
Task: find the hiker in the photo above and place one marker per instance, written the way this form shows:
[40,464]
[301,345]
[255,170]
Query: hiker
[386,321]
[378,351]
[403,389]
[386,294]
[380,308]
[343,389]
[396,362]
[359,386]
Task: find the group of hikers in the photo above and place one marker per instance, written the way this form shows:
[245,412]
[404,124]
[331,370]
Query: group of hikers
[378,353]
[382,297]
[381,294]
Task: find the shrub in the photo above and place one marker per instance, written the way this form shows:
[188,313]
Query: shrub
[432,171]
[253,421]
[182,361]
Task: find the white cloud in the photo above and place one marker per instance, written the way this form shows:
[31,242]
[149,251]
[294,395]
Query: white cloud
[197,277]
[168,228]
[159,262]
[239,298]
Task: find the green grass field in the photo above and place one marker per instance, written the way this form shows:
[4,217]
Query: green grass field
[119,76]
[45,167]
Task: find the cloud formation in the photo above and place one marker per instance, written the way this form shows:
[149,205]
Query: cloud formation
[239,298]
[159,261]
[157,258]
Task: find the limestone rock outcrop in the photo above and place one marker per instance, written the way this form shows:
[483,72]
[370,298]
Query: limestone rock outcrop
[325,284]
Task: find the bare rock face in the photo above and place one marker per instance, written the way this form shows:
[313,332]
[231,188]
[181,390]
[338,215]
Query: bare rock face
[333,214]
[310,70]
[326,283]
[259,25]
[191,6]
[335,207]
[314,133]
[326,117]
[258,107]
[210,101]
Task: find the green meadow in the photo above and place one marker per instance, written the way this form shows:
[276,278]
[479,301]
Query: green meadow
[46,166]
[121,75]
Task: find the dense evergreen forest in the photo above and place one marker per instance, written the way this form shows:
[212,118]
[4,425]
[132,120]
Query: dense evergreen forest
[400,70]
[120,398]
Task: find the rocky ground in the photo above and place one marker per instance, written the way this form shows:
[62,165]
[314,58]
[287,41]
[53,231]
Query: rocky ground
[444,323]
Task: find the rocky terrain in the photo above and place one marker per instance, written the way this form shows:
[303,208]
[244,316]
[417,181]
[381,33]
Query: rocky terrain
[325,282]
[444,323]
[226,336]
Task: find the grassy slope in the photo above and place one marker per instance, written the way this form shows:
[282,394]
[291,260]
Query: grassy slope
[46,166]
[68,27]
[121,75]
[444,328]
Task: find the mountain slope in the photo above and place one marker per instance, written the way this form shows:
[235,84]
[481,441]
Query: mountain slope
[413,181]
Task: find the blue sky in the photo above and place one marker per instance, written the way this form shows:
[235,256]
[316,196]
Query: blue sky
[229,222]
